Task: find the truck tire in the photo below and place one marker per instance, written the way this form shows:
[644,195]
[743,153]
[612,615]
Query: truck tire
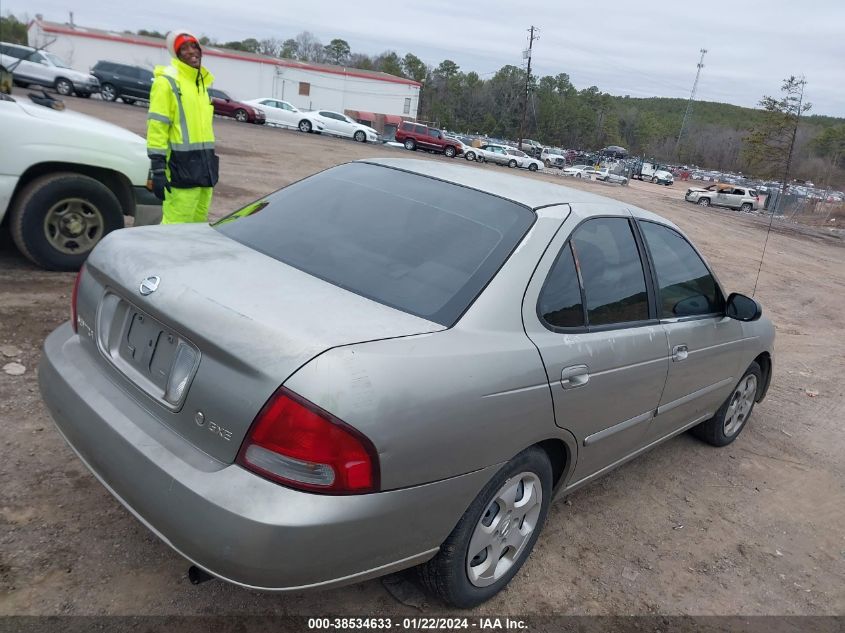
[57,219]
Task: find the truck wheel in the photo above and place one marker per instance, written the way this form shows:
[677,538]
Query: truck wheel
[409,144]
[64,87]
[654,180]
[57,219]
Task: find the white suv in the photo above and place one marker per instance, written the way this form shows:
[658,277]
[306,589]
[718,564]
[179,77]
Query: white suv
[67,180]
[31,66]
[723,195]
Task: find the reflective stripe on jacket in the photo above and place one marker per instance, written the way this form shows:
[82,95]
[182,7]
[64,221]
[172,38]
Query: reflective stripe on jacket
[179,124]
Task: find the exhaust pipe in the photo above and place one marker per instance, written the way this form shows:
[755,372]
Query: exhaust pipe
[198,576]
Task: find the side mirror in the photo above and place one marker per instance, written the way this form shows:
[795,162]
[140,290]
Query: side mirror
[743,308]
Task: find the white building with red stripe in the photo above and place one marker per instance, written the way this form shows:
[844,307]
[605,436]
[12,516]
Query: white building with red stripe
[375,98]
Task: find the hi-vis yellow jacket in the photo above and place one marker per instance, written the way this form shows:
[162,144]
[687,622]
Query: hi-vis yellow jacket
[179,124]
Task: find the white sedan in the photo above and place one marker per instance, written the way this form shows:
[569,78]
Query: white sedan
[524,160]
[578,171]
[341,125]
[283,114]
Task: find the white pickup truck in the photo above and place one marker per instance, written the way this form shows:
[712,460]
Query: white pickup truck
[68,179]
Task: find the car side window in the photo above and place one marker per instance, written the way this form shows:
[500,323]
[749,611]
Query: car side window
[560,302]
[419,129]
[686,286]
[612,271]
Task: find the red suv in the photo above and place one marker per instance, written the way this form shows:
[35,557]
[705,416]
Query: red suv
[414,135]
[225,105]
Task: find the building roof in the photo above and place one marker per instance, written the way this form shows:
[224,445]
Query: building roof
[214,51]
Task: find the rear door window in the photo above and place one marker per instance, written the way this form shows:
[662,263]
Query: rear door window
[420,129]
[686,285]
[610,265]
[560,304]
[414,243]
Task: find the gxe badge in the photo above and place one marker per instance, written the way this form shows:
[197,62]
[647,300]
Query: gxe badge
[149,285]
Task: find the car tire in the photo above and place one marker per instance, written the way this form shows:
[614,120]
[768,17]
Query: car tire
[746,207]
[449,152]
[511,164]
[64,87]
[463,578]
[724,427]
[108,92]
[241,116]
[703,202]
[57,219]
[360,136]
[532,167]
[470,156]
[305,126]
[409,144]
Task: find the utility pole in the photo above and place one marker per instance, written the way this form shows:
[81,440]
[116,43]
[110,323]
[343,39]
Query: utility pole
[703,52]
[527,54]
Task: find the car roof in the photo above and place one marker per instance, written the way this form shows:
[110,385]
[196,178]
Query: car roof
[525,191]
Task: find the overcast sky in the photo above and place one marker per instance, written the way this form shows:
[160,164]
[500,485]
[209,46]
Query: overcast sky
[641,49]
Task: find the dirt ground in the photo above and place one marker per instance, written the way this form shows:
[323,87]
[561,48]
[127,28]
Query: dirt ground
[754,528]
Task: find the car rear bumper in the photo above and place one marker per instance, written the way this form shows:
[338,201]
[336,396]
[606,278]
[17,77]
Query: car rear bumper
[236,525]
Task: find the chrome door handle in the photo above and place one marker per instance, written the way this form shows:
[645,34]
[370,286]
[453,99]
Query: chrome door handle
[679,353]
[575,376]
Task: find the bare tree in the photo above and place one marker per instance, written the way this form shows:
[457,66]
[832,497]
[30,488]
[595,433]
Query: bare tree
[770,145]
[309,48]
[270,46]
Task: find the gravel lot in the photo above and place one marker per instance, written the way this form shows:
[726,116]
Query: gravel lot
[754,528]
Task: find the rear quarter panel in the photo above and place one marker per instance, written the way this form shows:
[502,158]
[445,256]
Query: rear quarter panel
[443,404]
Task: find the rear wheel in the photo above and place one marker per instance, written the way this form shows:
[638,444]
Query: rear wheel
[305,126]
[450,152]
[511,163]
[409,144]
[724,427]
[108,92]
[64,87]
[241,116]
[746,207]
[495,535]
[56,220]
[704,202]
[532,167]
[360,136]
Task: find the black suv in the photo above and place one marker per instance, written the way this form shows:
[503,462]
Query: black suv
[130,83]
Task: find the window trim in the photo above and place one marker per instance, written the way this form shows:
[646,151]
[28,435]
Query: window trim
[649,284]
[656,283]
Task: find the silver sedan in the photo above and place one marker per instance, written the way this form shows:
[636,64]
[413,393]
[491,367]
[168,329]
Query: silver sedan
[392,363]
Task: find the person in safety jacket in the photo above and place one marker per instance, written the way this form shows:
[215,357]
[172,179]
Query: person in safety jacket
[180,138]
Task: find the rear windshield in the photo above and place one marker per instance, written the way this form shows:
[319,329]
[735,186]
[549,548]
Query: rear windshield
[411,242]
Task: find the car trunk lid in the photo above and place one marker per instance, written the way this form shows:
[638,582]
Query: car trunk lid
[219,320]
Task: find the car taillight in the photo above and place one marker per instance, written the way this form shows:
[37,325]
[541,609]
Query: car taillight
[296,443]
[73,296]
